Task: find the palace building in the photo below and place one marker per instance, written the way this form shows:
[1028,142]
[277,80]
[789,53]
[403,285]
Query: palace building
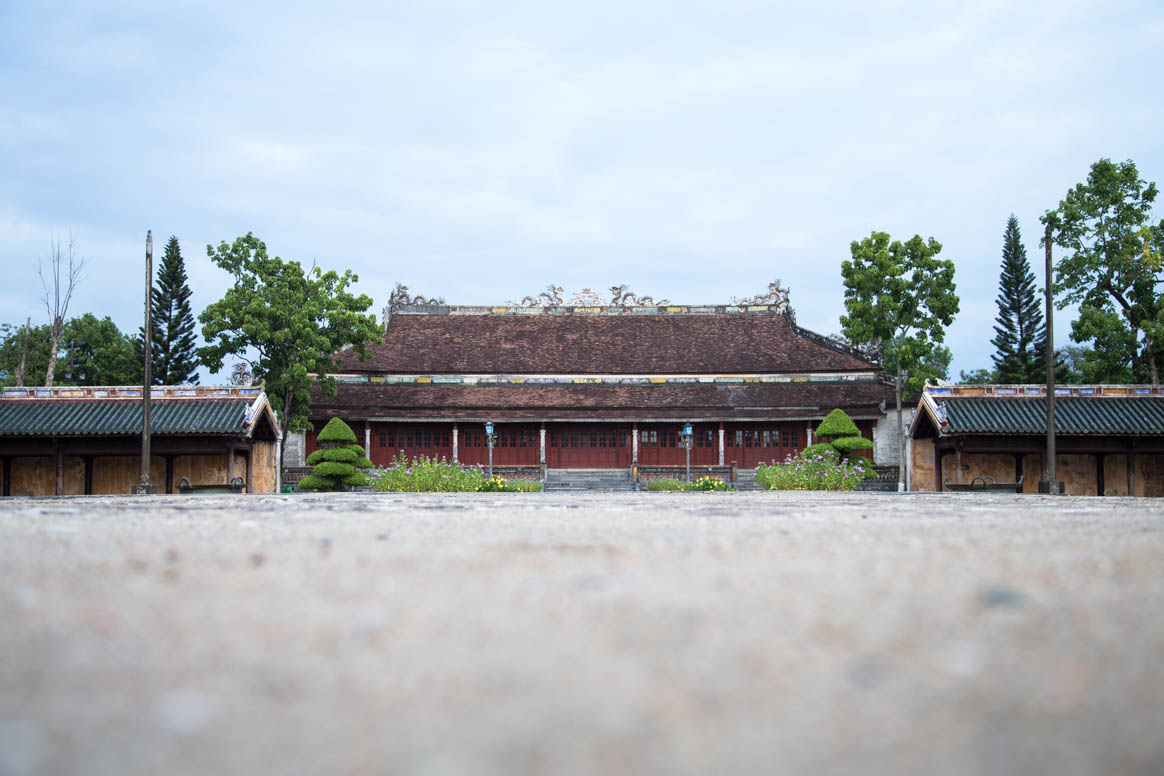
[598,382]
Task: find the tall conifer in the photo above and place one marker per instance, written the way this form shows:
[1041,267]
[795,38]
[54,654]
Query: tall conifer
[175,361]
[1020,333]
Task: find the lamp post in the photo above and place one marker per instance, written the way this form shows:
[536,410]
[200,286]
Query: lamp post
[143,487]
[490,441]
[685,439]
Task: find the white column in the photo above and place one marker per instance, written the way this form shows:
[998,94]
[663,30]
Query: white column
[635,444]
[542,445]
[808,434]
[721,444]
[455,459]
[367,439]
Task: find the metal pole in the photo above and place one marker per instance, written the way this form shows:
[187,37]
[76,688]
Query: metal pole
[147,375]
[490,439]
[1052,479]
[687,439]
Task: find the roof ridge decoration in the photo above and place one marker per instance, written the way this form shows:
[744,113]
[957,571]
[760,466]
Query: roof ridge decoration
[622,299]
[1037,390]
[776,296]
[184,392]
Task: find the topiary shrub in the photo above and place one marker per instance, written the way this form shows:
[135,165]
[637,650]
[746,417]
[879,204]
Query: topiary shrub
[839,433]
[837,424]
[337,460]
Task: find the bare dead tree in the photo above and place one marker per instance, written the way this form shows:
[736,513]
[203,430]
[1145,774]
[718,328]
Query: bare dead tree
[63,280]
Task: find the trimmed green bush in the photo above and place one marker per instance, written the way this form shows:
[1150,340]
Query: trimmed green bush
[846,445]
[337,431]
[837,424]
[341,455]
[337,460]
[334,469]
[838,432]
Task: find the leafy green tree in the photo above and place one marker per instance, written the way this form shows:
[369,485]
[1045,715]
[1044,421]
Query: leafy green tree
[1020,337]
[976,377]
[1103,223]
[93,351]
[28,346]
[288,324]
[902,295]
[337,459]
[96,352]
[174,357]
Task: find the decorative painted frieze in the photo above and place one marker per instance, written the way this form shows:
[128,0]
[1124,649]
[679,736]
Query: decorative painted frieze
[389,379]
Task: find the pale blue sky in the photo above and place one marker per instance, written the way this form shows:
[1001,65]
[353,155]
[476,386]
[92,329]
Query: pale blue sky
[480,151]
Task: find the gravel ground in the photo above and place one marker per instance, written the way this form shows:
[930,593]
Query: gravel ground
[578,634]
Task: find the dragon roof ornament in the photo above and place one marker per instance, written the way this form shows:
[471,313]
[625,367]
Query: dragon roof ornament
[776,295]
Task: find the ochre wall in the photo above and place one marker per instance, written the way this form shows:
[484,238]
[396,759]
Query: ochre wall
[1076,471]
[118,474]
[38,476]
[264,463]
[1000,467]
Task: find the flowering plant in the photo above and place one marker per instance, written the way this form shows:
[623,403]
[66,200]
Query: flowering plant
[812,470]
[426,474]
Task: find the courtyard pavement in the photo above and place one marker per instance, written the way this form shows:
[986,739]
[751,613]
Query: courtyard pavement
[732,633]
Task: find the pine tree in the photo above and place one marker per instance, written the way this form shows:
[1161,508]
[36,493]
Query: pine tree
[175,361]
[1020,333]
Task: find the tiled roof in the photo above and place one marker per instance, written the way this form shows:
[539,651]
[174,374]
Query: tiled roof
[677,401]
[612,344]
[119,417]
[1073,415]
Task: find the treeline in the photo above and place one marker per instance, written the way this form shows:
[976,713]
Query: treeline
[87,350]
[290,325]
[1110,265]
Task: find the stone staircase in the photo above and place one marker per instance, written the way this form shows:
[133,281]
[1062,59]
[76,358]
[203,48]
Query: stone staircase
[566,480]
[746,480]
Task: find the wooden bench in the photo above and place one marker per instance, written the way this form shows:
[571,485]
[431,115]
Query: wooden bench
[984,485]
[234,486]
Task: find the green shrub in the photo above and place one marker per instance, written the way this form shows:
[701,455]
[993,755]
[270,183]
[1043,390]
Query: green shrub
[498,484]
[840,433]
[338,432]
[341,455]
[846,445]
[837,424]
[703,483]
[706,482]
[334,469]
[337,459]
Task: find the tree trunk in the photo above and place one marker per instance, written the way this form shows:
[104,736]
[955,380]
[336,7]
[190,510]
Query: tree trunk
[1150,349]
[285,423]
[23,353]
[58,330]
[900,431]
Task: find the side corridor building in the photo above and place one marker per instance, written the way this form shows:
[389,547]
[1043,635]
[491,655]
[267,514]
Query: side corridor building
[598,384]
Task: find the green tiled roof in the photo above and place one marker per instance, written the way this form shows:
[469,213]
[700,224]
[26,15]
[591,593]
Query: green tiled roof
[87,417]
[1073,415]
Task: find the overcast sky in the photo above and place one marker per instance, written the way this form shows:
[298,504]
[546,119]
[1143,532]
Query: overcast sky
[480,151]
